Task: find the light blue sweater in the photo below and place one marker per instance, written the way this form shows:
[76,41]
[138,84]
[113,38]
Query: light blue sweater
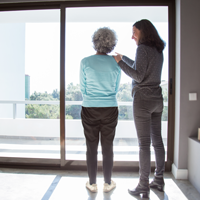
[99,81]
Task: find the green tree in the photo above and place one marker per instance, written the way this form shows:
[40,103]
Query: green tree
[68,117]
[165,109]
[124,94]
[37,96]
[73,93]
[56,94]
[42,111]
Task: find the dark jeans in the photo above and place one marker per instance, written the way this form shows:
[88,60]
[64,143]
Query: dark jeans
[96,121]
[147,112]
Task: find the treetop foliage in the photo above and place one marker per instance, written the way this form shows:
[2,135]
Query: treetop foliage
[73,93]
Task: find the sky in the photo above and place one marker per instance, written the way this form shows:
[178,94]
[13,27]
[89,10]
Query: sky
[42,50]
[42,40]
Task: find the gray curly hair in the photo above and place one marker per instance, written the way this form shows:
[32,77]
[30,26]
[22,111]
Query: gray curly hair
[104,40]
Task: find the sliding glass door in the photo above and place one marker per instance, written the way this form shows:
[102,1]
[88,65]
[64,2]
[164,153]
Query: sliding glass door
[40,99]
[81,23]
[30,84]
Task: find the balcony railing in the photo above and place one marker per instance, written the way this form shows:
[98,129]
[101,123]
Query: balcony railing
[15,103]
[39,138]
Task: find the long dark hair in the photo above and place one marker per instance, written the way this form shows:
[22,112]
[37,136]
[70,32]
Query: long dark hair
[149,35]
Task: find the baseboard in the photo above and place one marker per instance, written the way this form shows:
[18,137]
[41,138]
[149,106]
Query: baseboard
[179,173]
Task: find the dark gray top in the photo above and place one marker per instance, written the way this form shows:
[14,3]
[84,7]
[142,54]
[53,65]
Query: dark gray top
[145,70]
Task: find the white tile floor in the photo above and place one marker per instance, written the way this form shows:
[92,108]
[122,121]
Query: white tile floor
[18,184]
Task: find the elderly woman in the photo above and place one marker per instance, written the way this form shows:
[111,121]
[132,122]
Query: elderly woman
[99,83]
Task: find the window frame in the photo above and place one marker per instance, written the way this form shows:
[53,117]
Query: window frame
[78,164]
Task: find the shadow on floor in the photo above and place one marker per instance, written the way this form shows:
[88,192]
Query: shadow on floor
[108,196]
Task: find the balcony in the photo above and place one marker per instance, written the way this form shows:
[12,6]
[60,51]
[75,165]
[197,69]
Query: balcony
[40,138]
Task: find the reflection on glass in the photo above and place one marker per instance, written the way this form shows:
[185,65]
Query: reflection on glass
[29,74]
[80,25]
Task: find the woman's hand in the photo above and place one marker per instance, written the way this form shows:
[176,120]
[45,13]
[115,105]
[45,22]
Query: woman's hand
[118,57]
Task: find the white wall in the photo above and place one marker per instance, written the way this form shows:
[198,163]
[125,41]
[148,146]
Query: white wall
[12,67]
[187,113]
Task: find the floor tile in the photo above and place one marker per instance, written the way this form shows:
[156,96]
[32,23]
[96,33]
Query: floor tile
[25,184]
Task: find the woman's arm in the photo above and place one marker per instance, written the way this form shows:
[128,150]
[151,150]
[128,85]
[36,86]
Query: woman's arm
[138,69]
[128,61]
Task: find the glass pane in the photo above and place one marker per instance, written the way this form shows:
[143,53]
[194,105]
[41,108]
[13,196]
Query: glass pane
[29,84]
[80,26]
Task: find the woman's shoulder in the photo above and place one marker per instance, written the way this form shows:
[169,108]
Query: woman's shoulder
[146,48]
[147,51]
[142,49]
[87,59]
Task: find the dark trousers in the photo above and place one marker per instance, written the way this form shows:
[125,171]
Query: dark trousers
[101,122]
[147,112]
